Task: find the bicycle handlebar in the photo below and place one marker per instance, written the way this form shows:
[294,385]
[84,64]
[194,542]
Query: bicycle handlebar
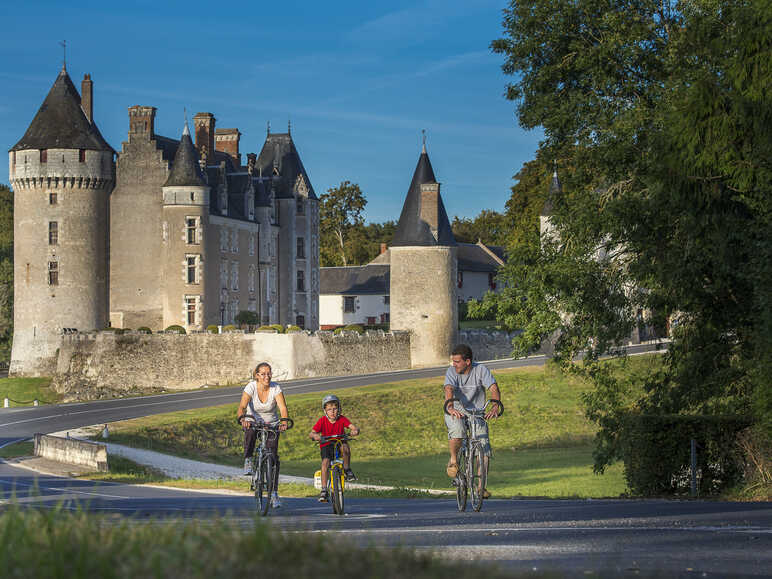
[479,413]
[264,426]
[333,437]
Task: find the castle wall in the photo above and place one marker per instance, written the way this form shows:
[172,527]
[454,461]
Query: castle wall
[106,364]
[136,235]
[487,344]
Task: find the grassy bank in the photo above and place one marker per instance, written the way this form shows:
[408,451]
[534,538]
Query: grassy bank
[23,391]
[542,445]
[57,543]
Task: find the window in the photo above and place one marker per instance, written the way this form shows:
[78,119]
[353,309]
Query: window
[81,155]
[53,233]
[234,241]
[386,300]
[492,281]
[460,278]
[53,198]
[235,275]
[191,226]
[43,156]
[349,303]
[53,273]
[251,244]
[301,279]
[300,207]
[301,248]
[223,239]
[191,268]
[224,273]
[300,321]
[251,279]
[190,310]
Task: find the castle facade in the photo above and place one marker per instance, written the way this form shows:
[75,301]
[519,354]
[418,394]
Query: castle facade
[166,232]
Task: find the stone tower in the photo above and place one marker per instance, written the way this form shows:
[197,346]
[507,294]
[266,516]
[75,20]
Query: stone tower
[62,172]
[185,218]
[423,271]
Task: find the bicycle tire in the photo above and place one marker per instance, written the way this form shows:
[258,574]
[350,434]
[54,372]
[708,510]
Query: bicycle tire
[460,481]
[337,490]
[265,486]
[476,478]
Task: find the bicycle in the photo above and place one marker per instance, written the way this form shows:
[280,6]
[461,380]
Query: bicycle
[263,467]
[336,477]
[471,476]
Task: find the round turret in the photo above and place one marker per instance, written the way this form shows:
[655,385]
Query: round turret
[62,172]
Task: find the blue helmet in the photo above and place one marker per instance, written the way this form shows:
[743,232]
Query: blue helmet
[330,398]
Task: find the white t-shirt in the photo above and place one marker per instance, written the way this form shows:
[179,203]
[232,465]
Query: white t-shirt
[470,388]
[263,411]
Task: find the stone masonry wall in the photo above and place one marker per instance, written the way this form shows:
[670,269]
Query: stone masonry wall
[106,364]
[488,345]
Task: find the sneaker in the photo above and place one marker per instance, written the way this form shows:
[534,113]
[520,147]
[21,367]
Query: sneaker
[350,476]
[452,469]
[323,496]
[247,467]
[275,501]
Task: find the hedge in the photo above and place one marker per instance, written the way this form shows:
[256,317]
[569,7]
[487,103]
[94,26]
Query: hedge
[656,451]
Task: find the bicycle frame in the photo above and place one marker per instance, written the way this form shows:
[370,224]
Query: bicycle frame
[336,477]
[263,467]
[472,460]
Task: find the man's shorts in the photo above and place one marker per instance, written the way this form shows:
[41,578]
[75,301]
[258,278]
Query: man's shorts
[456,430]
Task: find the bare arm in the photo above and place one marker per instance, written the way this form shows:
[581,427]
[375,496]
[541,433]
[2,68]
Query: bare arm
[448,395]
[354,429]
[242,409]
[495,394]
[282,404]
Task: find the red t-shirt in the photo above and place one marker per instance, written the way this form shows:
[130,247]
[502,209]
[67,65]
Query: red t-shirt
[326,428]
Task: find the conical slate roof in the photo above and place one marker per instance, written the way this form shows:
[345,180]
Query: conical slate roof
[185,168]
[60,123]
[411,229]
[555,189]
[279,151]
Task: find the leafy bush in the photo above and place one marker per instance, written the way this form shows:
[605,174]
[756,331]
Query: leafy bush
[656,451]
[264,328]
[212,329]
[228,328]
[247,318]
[144,330]
[176,329]
[278,327]
[293,328]
[354,328]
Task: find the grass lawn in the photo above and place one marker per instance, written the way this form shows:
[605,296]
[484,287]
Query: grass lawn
[23,391]
[542,445]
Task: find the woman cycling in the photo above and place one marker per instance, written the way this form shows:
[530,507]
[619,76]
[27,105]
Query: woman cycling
[259,404]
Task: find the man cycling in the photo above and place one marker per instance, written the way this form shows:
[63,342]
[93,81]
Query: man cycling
[467,381]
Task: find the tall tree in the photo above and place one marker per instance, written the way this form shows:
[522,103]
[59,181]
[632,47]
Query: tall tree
[661,116]
[6,272]
[488,226]
[340,213]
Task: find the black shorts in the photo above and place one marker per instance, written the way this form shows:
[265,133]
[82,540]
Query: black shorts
[328,451]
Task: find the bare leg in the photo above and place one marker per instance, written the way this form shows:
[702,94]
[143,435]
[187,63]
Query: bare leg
[325,471]
[345,452]
[455,445]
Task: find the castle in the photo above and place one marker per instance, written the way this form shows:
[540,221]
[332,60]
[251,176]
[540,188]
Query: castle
[165,232]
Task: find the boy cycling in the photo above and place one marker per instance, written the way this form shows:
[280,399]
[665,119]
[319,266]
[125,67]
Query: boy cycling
[331,424]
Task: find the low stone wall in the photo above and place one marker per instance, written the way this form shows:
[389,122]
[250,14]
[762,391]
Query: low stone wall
[72,451]
[107,364]
[488,344]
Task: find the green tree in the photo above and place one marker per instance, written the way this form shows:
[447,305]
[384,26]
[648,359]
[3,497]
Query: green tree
[6,272]
[660,116]
[340,213]
[247,318]
[489,226]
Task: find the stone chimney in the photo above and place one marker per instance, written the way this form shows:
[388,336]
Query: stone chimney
[203,124]
[141,122]
[227,141]
[87,97]
[430,205]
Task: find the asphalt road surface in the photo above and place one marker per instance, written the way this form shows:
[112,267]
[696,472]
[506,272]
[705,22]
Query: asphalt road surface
[621,537]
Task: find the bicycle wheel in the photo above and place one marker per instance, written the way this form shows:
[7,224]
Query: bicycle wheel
[476,477]
[337,490]
[264,485]
[460,481]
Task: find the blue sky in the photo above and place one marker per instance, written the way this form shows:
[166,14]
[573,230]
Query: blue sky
[358,81]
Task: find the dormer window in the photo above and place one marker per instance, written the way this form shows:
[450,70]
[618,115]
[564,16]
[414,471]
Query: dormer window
[275,171]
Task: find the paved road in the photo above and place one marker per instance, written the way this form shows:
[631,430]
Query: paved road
[624,537]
